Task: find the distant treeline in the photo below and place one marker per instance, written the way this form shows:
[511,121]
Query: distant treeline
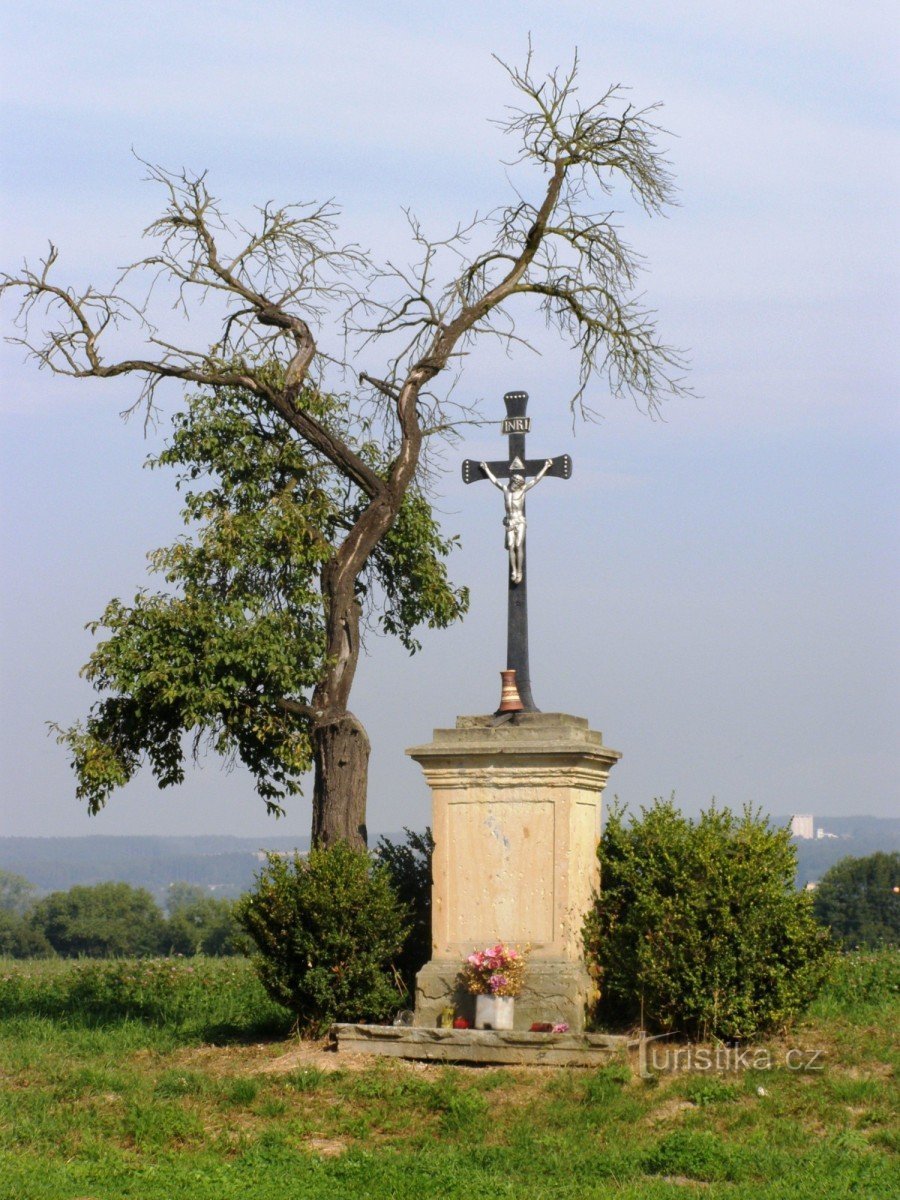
[114,920]
[225,865]
[228,866]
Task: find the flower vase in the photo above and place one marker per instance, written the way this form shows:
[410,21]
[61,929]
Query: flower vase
[494,1012]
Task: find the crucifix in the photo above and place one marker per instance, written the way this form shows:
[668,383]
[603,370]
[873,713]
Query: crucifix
[517,470]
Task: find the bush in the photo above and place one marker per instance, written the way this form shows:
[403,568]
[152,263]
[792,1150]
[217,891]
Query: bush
[856,898]
[200,923]
[698,928]
[106,920]
[328,930]
[19,940]
[408,865]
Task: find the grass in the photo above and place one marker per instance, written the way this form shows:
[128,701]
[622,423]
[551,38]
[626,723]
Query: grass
[164,1079]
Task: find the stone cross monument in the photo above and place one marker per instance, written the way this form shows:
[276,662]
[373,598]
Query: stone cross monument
[516,810]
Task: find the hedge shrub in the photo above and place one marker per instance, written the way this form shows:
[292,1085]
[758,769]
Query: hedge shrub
[328,929]
[408,864]
[698,927]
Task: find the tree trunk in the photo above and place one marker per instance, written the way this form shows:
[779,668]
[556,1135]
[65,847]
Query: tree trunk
[340,743]
[341,756]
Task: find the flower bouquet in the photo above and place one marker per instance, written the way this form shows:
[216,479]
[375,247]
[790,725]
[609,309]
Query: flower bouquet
[495,977]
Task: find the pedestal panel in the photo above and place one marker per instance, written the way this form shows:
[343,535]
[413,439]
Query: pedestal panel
[500,881]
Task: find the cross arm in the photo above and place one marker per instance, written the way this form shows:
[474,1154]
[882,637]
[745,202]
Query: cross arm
[561,467]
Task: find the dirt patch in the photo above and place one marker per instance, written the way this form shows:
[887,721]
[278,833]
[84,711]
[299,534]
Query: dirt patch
[219,1061]
[872,1070]
[319,1056]
[326,1147]
[669,1110]
[282,1058]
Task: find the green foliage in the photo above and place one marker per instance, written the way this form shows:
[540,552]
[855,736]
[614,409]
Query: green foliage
[106,920]
[17,894]
[460,1110]
[200,923]
[856,898]
[19,939]
[232,652]
[205,995]
[709,1089]
[861,982]
[328,930]
[698,927]
[408,865]
[691,1154]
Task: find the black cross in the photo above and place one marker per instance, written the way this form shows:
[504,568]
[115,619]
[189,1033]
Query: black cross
[517,425]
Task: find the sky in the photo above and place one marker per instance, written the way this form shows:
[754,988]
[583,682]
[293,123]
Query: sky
[714,590]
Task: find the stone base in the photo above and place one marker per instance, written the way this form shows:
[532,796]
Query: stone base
[554,991]
[482,1046]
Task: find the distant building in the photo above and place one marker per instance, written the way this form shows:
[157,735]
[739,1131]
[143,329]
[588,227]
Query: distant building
[811,885]
[823,833]
[802,825]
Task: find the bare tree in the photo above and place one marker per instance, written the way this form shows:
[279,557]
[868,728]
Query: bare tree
[279,280]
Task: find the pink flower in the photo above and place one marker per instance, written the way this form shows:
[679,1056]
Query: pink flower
[496,982]
[561,1027]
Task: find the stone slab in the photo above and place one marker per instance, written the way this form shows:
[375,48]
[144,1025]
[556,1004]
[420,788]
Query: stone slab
[483,1046]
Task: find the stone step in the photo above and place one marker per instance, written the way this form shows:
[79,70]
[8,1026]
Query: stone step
[482,1045]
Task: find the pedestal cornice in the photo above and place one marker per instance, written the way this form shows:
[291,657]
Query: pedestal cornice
[558,740]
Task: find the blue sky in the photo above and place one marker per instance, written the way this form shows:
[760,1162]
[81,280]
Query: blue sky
[715,591]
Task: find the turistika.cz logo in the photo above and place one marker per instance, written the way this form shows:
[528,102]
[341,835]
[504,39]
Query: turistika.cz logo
[657,1058]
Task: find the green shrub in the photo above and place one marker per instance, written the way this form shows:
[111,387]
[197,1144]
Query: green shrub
[105,920]
[856,898]
[328,930]
[18,939]
[200,923]
[408,865]
[698,927]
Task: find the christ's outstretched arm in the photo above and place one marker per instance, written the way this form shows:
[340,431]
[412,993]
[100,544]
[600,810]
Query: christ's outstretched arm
[548,463]
[491,476]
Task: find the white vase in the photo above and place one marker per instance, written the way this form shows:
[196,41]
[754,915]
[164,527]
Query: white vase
[494,1012]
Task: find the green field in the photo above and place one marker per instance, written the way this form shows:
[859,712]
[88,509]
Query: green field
[171,1079]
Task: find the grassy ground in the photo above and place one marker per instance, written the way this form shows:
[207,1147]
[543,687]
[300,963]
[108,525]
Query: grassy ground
[163,1080]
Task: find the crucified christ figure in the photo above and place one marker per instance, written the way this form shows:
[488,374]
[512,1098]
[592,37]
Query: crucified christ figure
[514,500]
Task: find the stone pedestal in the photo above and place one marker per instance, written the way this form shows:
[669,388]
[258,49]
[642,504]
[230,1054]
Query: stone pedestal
[516,822]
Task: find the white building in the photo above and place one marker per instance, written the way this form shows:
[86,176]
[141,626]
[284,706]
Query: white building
[802,825]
